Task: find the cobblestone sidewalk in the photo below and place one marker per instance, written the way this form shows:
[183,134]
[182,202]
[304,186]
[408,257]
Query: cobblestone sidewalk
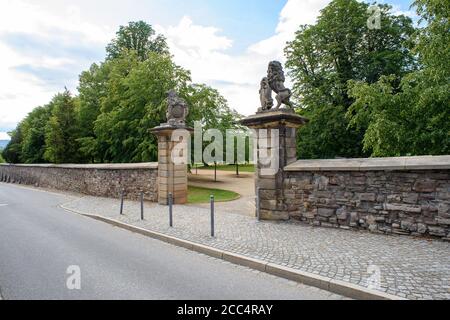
[407,267]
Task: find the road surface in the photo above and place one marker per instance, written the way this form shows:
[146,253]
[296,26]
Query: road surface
[39,241]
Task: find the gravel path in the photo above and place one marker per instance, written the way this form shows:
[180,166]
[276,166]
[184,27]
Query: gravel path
[226,180]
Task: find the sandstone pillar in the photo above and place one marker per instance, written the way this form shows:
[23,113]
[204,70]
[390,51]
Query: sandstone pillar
[172,175]
[275,146]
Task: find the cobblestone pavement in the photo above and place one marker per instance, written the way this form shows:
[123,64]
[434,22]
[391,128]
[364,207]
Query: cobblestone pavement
[408,267]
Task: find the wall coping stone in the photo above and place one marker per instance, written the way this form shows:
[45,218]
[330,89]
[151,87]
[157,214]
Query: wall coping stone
[375,164]
[103,166]
[268,118]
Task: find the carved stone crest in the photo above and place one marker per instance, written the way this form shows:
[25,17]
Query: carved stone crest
[177,110]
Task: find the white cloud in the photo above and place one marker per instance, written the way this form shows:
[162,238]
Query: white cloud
[4,136]
[21,92]
[411,13]
[21,16]
[186,35]
[294,14]
[202,50]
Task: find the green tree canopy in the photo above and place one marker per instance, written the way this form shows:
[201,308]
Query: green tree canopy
[13,151]
[33,130]
[412,118]
[61,131]
[137,36]
[119,101]
[324,57]
[133,104]
[209,107]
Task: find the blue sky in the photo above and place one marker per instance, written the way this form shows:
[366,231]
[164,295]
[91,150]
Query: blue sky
[44,45]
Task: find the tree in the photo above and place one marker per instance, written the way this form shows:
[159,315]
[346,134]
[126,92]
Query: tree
[211,109]
[1,159]
[33,131]
[28,140]
[61,131]
[135,103]
[324,57]
[92,90]
[119,101]
[138,36]
[13,150]
[412,118]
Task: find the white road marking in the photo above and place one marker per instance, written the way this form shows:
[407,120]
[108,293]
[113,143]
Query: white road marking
[3,204]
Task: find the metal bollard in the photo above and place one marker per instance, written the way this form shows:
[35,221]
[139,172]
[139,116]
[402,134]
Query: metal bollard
[215,171]
[258,212]
[171,210]
[212,216]
[121,201]
[142,205]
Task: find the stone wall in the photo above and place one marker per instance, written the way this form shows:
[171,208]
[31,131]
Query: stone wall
[105,180]
[408,196]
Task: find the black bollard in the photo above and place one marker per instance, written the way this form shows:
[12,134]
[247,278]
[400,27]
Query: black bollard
[171,210]
[142,205]
[212,216]
[121,201]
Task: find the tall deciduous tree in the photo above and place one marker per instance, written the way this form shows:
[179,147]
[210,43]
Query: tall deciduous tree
[324,57]
[92,90]
[413,118]
[13,150]
[61,132]
[211,109]
[138,36]
[135,102]
[119,101]
[33,130]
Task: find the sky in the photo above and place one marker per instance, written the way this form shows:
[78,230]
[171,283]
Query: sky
[227,44]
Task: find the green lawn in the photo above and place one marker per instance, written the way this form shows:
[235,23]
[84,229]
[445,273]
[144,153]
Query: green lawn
[230,167]
[202,195]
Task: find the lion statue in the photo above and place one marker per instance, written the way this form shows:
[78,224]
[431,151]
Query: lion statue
[275,76]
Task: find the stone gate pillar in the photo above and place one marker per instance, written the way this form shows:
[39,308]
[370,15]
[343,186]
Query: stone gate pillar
[172,176]
[275,134]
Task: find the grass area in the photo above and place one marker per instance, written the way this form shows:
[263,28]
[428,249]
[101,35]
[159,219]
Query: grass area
[229,167]
[202,195]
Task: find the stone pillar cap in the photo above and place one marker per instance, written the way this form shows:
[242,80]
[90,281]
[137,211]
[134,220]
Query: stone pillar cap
[268,118]
[165,128]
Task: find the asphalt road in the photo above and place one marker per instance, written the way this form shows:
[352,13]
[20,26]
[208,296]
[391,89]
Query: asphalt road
[39,241]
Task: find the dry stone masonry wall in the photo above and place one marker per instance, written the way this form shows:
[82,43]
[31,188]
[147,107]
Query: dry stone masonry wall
[390,197]
[106,180]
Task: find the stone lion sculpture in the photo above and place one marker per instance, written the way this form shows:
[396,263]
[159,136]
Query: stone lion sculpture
[177,109]
[276,79]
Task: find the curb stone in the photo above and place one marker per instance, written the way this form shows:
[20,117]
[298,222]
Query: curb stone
[335,286]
